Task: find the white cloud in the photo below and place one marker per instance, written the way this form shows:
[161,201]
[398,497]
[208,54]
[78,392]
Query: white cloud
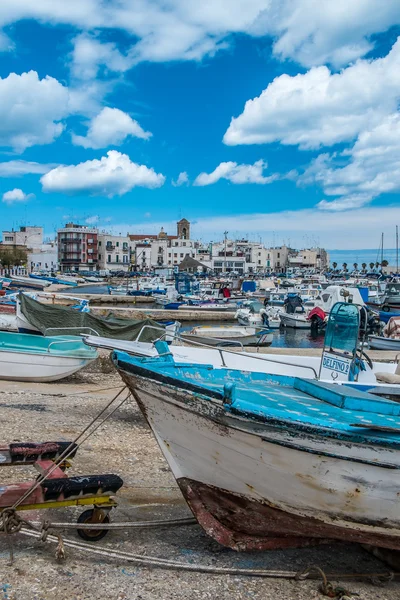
[110,127]
[112,175]
[321,108]
[31,110]
[6,44]
[16,195]
[92,220]
[236,174]
[89,54]
[17,168]
[357,176]
[354,229]
[308,31]
[183,179]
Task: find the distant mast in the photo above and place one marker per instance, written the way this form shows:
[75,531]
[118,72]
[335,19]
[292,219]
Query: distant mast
[397,248]
[382,250]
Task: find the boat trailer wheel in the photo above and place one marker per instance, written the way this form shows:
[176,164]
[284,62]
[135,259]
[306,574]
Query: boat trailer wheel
[93,515]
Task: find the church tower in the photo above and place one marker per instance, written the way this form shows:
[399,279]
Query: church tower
[183,228]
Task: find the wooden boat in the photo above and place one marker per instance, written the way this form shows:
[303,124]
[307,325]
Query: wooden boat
[267,461]
[229,335]
[25,357]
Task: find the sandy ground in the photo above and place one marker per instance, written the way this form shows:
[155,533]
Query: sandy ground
[125,446]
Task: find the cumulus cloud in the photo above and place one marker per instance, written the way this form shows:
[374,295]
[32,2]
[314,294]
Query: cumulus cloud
[236,174]
[17,168]
[319,107]
[31,110]
[183,179]
[112,175]
[89,54]
[110,127]
[360,174]
[16,195]
[308,31]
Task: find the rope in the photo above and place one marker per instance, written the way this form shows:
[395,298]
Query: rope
[149,561]
[120,525]
[69,450]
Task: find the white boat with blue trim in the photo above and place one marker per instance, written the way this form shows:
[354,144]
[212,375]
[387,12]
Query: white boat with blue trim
[268,461]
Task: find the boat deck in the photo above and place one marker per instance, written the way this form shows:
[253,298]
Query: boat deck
[338,410]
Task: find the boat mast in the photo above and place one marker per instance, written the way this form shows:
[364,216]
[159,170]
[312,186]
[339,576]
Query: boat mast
[382,250]
[397,248]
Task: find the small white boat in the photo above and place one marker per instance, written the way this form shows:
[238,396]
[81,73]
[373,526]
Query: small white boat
[229,335]
[391,336]
[296,320]
[25,357]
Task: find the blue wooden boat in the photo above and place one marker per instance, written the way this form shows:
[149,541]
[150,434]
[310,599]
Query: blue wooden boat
[267,461]
[55,280]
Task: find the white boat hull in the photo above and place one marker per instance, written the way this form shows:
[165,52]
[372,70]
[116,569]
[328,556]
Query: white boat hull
[33,367]
[8,322]
[301,485]
[295,321]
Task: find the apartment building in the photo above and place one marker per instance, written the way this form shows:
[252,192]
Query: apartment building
[26,237]
[77,248]
[113,252]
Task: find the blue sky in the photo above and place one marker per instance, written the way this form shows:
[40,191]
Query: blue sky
[274,119]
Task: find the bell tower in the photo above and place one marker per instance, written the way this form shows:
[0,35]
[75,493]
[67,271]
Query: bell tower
[183,229]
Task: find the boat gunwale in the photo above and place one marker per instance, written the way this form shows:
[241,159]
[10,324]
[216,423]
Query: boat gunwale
[284,424]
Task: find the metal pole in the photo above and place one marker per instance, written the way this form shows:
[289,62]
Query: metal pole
[225,234]
[397,248]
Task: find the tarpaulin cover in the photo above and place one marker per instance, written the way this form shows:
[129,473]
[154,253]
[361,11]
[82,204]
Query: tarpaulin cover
[45,316]
[249,286]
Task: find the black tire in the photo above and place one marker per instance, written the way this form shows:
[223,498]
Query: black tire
[386,308]
[91,535]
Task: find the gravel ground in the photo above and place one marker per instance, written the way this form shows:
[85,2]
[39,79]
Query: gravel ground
[125,446]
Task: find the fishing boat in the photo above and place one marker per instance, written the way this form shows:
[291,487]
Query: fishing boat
[267,461]
[28,283]
[253,313]
[56,280]
[25,357]
[226,335]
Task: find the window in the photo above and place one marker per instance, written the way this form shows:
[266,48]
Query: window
[175,255]
[8,238]
[99,256]
[176,243]
[182,254]
[117,244]
[109,258]
[125,258]
[117,258]
[99,244]
[279,255]
[183,243]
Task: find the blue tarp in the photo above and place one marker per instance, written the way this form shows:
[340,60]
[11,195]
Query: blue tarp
[249,286]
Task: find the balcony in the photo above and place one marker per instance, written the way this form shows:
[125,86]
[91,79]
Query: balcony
[74,240]
[110,247]
[70,260]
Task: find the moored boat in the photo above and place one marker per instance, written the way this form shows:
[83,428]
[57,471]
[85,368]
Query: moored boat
[268,461]
[229,335]
[25,357]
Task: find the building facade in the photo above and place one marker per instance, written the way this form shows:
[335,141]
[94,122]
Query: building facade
[26,237]
[77,248]
[113,252]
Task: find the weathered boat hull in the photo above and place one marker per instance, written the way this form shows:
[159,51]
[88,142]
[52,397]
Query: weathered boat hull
[256,487]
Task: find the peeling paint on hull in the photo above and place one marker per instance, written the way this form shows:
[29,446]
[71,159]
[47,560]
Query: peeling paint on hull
[259,487]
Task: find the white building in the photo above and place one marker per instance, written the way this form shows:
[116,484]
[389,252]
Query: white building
[28,237]
[113,252]
[45,259]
